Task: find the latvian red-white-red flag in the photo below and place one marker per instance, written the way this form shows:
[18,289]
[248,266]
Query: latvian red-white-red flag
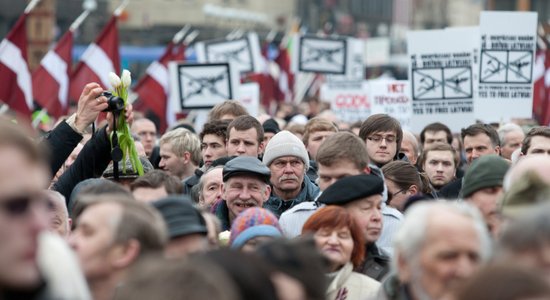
[154,87]
[15,77]
[50,82]
[100,58]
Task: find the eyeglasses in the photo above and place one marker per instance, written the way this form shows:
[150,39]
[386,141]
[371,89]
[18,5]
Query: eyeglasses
[19,205]
[294,163]
[391,195]
[379,138]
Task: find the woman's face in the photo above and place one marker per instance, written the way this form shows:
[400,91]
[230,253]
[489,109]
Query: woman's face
[336,245]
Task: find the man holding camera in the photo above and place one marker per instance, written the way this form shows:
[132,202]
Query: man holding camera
[96,154]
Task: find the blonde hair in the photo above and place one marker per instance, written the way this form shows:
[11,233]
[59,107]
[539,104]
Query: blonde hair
[183,140]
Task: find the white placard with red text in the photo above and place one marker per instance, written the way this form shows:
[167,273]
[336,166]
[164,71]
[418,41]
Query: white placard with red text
[349,102]
[249,97]
[391,97]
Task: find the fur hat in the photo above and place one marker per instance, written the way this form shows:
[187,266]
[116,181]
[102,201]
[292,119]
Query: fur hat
[251,223]
[285,143]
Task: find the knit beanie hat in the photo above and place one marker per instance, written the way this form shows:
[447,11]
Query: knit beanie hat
[486,171]
[285,143]
[251,223]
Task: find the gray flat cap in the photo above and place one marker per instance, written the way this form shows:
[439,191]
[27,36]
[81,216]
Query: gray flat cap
[246,165]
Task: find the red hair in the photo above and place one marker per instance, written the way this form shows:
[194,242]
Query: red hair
[333,216]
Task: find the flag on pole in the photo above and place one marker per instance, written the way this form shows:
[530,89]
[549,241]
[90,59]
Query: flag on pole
[100,58]
[16,87]
[153,88]
[50,82]
[286,77]
[541,87]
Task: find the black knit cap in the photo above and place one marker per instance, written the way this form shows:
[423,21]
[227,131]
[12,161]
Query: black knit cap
[352,188]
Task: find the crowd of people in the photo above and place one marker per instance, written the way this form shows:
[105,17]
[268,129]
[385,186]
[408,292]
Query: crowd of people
[287,207]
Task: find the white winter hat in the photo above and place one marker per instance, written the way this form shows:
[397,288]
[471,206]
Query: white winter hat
[285,143]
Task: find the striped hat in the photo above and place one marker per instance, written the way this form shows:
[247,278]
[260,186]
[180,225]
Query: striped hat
[251,223]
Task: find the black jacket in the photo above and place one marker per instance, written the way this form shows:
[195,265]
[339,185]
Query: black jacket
[451,190]
[61,141]
[91,162]
[376,264]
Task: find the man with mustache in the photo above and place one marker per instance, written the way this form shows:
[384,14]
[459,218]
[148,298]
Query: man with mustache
[245,185]
[288,160]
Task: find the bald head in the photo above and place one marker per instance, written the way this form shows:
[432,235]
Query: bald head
[540,164]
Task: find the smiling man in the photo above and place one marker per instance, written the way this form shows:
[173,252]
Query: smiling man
[245,185]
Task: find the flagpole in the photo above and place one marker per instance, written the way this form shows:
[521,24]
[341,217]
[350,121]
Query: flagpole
[78,21]
[191,37]
[121,7]
[31,6]
[178,37]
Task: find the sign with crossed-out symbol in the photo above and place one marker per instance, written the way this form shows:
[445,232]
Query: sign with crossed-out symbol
[204,85]
[442,83]
[236,51]
[505,66]
[322,55]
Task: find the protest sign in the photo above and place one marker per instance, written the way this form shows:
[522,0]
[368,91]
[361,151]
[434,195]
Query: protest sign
[391,97]
[508,45]
[441,77]
[349,102]
[249,97]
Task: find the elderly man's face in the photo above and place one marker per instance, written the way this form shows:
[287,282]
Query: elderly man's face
[244,191]
[368,215]
[450,254]
[287,173]
[211,187]
[23,215]
[512,141]
[93,239]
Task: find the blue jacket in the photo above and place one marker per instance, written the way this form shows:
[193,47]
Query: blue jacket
[277,206]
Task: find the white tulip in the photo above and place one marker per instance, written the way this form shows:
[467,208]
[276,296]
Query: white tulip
[114,80]
[126,78]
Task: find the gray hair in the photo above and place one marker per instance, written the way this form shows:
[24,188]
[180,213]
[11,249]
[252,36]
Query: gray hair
[505,129]
[411,236]
[529,232]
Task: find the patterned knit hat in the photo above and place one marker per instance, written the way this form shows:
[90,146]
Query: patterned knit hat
[285,143]
[253,222]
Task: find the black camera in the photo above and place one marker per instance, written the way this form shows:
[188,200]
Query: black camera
[116,104]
